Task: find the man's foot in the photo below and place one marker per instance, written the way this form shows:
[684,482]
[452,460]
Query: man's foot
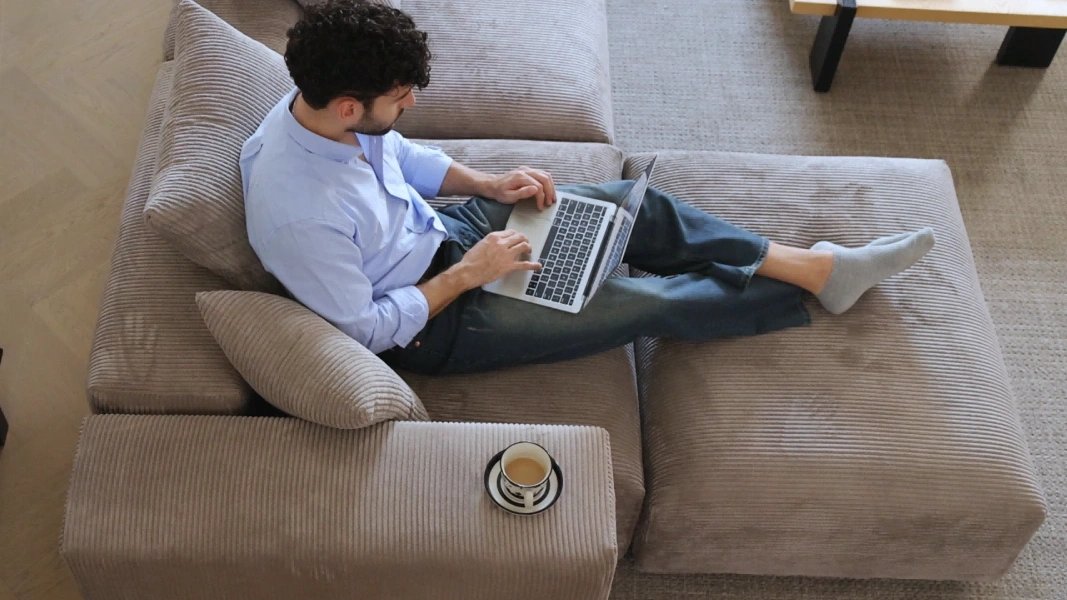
[889,239]
[857,270]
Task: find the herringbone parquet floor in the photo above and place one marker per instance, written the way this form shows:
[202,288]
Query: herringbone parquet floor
[75,77]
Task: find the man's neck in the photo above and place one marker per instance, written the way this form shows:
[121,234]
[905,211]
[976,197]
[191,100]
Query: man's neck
[316,123]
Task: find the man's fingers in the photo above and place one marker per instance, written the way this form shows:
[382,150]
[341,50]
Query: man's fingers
[521,193]
[540,190]
[523,247]
[530,185]
[526,265]
[517,240]
[512,237]
[541,198]
[545,180]
[530,190]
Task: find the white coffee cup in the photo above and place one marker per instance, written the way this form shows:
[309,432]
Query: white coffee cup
[526,467]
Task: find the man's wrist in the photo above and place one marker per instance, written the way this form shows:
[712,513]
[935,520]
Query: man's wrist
[460,277]
[485,186]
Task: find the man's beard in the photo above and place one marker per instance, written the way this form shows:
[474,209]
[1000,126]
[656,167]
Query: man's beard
[373,128]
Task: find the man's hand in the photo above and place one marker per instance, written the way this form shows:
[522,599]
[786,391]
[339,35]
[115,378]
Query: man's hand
[496,255]
[522,183]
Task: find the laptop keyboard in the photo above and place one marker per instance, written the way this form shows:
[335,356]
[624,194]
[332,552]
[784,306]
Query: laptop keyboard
[567,250]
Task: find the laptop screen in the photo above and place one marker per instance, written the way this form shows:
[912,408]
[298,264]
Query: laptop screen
[637,193]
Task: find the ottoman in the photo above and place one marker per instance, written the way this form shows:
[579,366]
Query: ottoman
[884,442]
[168,506]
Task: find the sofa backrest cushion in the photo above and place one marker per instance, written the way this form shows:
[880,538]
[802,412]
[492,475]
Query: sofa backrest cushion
[224,84]
[303,365]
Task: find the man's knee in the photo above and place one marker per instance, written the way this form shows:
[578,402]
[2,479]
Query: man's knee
[609,191]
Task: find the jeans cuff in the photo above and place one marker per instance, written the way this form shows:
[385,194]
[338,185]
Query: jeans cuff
[749,271]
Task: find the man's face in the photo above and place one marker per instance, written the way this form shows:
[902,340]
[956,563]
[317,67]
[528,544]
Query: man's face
[384,112]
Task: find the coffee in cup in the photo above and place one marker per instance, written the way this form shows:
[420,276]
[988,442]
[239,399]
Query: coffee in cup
[526,467]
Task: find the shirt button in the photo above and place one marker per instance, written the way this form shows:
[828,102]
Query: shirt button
[417,344]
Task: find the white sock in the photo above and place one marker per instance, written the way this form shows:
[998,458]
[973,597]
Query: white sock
[857,270]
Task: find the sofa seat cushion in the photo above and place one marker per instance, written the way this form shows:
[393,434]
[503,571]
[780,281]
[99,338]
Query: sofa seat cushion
[265,21]
[883,442]
[151,351]
[303,365]
[224,84]
[487,80]
[597,390]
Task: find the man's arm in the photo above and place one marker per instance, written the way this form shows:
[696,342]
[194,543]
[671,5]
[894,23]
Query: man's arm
[432,173]
[493,257]
[461,180]
[322,267]
[443,289]
[509,188]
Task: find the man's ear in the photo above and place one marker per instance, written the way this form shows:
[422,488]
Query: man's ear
[349,109]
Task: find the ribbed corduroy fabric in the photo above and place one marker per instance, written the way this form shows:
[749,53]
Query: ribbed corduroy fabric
[303,365]
[393,3]
[151,351]
[596,390]
[224,84]
[265,21]
[525,69]
[884,442]
[229,508]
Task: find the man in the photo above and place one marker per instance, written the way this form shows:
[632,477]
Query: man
[335,208]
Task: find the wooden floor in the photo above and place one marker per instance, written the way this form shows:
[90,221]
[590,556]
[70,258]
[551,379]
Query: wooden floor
[75,77]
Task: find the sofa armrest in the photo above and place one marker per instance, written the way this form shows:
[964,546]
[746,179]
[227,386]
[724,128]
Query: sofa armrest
[168,506]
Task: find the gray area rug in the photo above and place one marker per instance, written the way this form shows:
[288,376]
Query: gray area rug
[733,75]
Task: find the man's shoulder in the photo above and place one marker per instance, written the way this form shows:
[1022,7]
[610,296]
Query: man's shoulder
[284,196]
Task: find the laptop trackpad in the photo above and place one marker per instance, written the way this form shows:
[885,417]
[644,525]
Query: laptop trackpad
[535,225]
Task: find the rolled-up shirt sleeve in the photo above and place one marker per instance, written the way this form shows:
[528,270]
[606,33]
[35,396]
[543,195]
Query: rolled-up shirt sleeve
[424,167]
[322,267]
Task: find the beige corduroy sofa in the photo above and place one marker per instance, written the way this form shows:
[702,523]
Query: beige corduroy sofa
[880,443]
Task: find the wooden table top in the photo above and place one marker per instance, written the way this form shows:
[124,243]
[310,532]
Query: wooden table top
[1017,13]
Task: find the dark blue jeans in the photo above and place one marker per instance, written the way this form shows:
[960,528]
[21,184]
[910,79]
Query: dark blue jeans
[705,289]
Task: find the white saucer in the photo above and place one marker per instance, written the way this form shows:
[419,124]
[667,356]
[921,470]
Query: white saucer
[494,487]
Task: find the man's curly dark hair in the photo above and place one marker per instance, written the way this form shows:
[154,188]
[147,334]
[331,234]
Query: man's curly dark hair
[355,48]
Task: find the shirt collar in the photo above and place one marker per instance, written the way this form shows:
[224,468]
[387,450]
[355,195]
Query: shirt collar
[315,143]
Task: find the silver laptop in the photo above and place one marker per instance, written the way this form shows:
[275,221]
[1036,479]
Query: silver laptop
[579,241]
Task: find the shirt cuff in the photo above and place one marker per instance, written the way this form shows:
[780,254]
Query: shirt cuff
[414,313]
[433,166]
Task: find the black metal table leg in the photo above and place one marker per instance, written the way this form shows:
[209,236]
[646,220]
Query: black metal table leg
[1029,47]
[3,420]
[830,43]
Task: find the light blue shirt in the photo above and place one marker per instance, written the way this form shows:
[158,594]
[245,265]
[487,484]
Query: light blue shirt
[349,239]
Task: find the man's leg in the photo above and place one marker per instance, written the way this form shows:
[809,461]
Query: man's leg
[671,236]
[721,281]
[496,332]
[708,291]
